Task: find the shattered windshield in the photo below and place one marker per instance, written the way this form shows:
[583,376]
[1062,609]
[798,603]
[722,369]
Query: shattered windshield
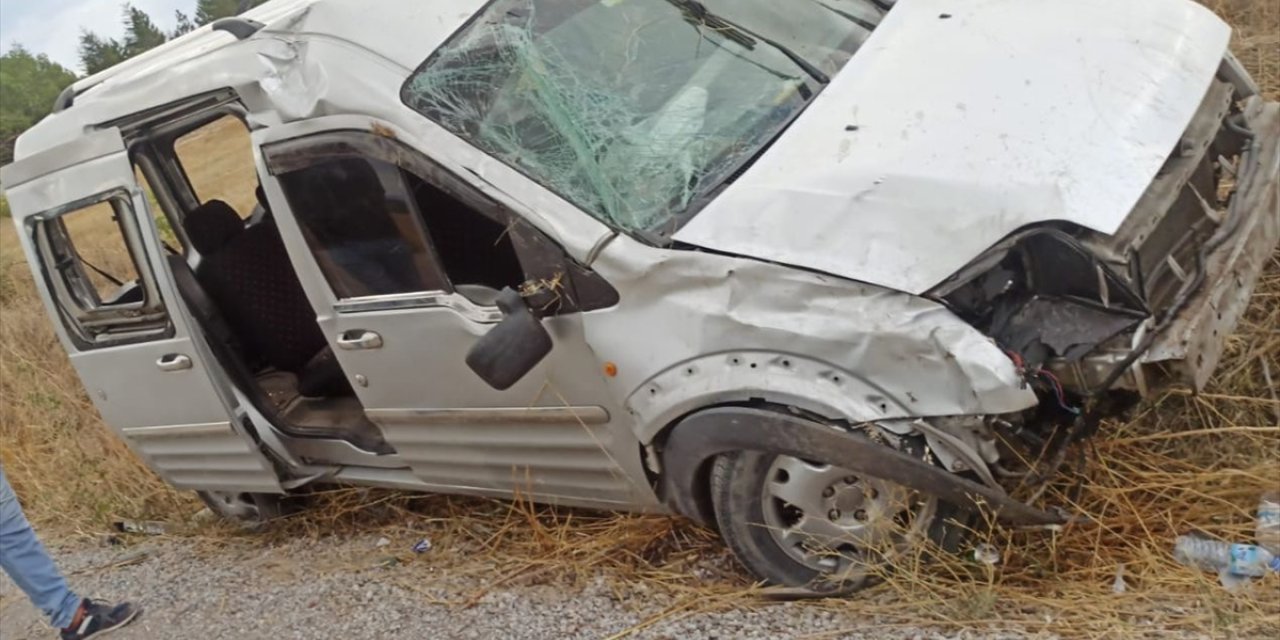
[635,110]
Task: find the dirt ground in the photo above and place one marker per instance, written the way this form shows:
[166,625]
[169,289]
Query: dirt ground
[346,588]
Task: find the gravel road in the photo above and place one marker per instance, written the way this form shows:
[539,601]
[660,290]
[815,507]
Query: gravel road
[341,588]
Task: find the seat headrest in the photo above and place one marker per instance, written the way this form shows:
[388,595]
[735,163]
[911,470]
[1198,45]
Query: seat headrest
[211,226]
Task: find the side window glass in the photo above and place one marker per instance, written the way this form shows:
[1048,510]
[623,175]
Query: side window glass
[361,222]
[96,269]
[218,161]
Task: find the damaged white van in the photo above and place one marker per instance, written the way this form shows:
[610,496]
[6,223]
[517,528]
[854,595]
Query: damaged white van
[822,274]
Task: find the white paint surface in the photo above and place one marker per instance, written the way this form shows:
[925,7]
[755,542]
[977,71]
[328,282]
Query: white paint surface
[1005,114]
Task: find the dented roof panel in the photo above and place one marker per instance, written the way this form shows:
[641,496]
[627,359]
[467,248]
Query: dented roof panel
[955,125]
[396,37]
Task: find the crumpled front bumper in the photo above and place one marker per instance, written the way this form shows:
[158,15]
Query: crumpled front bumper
[1203,295]
[1189,348]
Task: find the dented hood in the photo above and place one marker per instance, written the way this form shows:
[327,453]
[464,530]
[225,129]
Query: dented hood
[959,122]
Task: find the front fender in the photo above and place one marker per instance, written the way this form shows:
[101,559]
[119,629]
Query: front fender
[865,394]
[694,330]
[736,377]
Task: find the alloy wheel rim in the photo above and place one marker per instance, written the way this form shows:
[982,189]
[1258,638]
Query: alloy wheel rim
[836,521]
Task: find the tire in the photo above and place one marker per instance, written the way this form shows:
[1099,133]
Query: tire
[251,508]
[738,494]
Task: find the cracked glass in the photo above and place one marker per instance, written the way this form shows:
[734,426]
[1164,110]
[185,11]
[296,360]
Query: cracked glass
[636,111]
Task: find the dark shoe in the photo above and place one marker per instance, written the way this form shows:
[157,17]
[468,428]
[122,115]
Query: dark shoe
[97,618]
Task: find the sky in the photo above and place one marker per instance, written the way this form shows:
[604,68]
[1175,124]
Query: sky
[53,27]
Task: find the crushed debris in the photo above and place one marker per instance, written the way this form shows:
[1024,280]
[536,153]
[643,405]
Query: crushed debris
[140,526]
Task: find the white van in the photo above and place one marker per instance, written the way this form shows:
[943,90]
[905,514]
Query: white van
[820,273]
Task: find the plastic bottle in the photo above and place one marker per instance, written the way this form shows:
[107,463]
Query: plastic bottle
[1244,560]
[1267,533]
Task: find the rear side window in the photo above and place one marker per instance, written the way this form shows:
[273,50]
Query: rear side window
[93,258]
[218,161]
[361,222]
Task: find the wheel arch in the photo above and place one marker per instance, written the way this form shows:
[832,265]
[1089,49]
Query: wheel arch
[762,380]
[689,447]
[759,378]
[687,491]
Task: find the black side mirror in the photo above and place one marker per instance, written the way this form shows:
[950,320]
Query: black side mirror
[513,348]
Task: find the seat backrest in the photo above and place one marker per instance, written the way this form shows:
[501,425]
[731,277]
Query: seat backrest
[211,226]
[249,276]
[200,304]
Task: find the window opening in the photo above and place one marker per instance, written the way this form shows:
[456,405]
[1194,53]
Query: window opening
[471,244]
[96,268]
[218,161]
[97,242]
[360,220]
[164,227]
[474,249]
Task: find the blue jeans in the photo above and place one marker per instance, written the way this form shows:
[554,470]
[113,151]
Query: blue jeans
[25,560]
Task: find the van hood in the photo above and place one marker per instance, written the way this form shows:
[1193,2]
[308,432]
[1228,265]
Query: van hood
[958,123]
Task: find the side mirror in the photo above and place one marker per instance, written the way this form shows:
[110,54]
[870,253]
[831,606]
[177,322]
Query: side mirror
[513,348]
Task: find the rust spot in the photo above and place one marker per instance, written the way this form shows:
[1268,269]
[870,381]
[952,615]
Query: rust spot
[383,130]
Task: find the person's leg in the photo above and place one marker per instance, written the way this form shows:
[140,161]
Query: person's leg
[25,560]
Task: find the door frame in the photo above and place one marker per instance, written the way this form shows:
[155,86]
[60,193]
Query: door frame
[199,443]
[593,428]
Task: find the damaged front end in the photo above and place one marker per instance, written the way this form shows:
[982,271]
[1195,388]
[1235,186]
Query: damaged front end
[1084,313]
[1091,320]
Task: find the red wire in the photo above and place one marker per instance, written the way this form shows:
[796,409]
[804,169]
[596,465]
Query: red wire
[1017,358]
[1058,389]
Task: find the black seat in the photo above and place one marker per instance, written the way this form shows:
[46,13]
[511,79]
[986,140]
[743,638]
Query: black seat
[248,275]
[217,333]
[211,226]
[226,349]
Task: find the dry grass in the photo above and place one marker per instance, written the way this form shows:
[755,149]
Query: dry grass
[1183,463]
[228,175]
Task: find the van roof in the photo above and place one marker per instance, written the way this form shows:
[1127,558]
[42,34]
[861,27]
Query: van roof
[390,35]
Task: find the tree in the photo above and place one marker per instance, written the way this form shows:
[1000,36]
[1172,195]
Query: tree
[28,86]
[98,53]
[182,24]
[140,34]
[209,10]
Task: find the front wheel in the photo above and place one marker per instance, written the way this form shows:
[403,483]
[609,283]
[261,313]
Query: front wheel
[819,527]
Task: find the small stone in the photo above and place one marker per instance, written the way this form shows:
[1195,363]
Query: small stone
[986,554]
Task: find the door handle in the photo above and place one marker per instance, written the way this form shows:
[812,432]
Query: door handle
[356,339]
[173,362]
